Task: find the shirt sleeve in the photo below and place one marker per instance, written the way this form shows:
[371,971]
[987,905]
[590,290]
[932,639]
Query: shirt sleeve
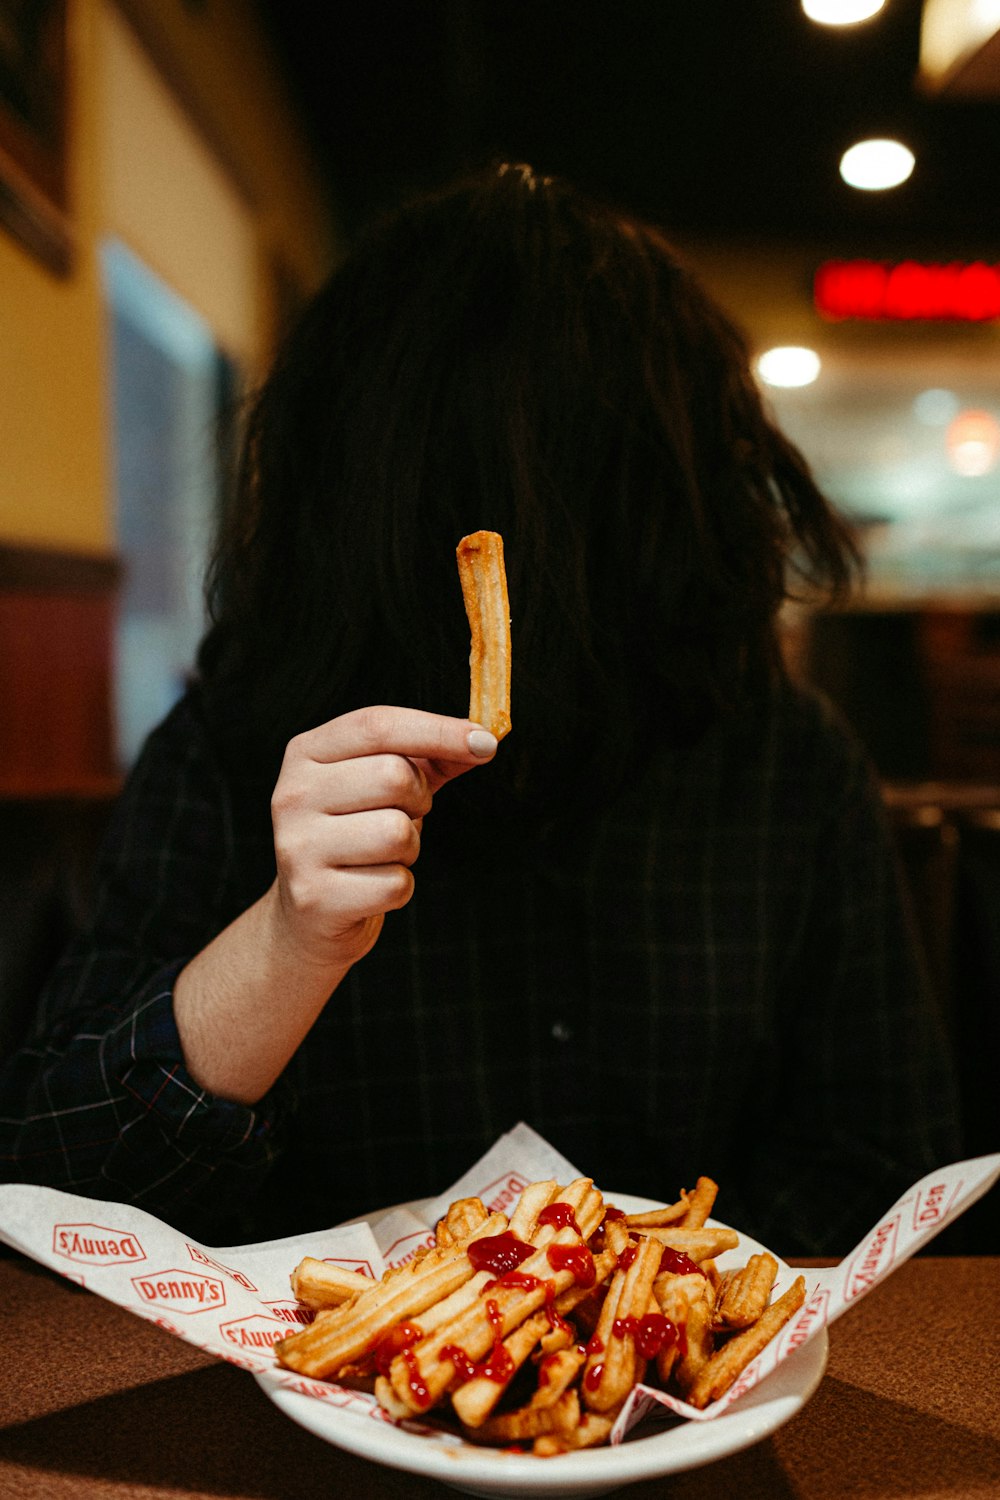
[98,1100]
[865,1071]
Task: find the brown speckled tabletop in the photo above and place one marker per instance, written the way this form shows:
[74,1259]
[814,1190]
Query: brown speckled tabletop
[96,1404]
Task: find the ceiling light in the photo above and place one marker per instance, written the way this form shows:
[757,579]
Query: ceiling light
[876,164]
[788,365]
[841,12]
[973,443]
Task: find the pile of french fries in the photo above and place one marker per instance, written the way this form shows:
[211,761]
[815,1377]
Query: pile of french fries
[531,1331]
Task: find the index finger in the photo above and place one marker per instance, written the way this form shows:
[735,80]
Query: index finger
[450,745]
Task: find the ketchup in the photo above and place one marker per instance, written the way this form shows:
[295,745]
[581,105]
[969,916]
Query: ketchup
[651,1333]
[498,1365]
[678,1264]
[561,1215]
[522,1281]
[575,1258]
[418,1390]
[499,1253]
[627,1256]
[394,1342]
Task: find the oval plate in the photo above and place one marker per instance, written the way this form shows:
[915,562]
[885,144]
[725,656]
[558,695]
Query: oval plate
[655,1447]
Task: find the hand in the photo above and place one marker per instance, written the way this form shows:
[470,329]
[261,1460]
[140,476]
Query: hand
[347,813]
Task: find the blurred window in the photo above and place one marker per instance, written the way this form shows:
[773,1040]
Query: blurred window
[169,381]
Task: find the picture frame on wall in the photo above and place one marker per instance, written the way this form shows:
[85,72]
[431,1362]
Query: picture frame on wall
[34,198]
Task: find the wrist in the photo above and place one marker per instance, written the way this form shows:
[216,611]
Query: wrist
[325,956]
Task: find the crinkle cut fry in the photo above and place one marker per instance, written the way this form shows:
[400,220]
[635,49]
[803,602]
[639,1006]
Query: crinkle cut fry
[463,1218]
[347,1332]
[696,1244]
[719,1372]
[612,1369]
[744,1294]
[591,1430]
[700,1203]
[476,1399]
[533,1421]
[484,590]
[319,1283]
[477,1329]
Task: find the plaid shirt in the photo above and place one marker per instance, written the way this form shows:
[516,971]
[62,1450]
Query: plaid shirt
[715,975]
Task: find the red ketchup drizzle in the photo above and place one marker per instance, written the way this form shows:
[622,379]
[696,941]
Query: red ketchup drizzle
[418,1390]
[678,1264]
[575,1258]
[394,1342]
[614,1213]
[499,1253]
[592,1377]
[498,1365]
[561,1215]
[523,1281]
[627,1256]
[495,1319]
[555,1320]
[651,1333]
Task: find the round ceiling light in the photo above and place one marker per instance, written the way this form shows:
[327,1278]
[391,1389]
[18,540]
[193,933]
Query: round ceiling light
[973,441]
[841,12]
[788,365]
[877,164]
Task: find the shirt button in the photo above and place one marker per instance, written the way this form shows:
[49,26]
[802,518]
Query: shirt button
[561,1032]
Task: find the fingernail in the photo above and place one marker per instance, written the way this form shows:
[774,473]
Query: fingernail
[482,743]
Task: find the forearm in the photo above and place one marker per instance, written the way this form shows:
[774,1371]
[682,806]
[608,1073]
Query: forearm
[246,1002]
[347,810]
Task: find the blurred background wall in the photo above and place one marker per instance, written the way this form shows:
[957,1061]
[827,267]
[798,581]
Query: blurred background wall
[161,216]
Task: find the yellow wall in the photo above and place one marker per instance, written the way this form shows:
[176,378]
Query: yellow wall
[173,112]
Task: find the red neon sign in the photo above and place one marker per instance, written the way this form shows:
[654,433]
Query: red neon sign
[958,291]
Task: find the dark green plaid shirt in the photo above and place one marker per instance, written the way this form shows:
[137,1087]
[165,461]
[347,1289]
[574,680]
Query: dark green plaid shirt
[715,975]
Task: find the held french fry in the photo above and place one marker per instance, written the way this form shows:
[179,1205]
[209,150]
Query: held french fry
[483,577]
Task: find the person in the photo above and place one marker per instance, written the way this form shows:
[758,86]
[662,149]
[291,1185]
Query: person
[661,923]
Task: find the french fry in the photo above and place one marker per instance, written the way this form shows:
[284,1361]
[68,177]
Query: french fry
[696,1244]
[699,1343]
[425,1373]
[700,1203]
[463,1218]
[533,1421]
[319,1283]
[719,1372]
[484,590]
[615,1364]
[655,1218]
[354,1329]
[743,1295]
[591,1430]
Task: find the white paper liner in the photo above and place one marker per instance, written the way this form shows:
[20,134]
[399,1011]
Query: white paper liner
[236,1302]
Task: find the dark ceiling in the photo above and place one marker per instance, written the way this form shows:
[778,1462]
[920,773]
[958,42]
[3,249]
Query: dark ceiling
[714,117]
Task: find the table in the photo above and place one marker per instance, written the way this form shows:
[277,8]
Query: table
[96,1404]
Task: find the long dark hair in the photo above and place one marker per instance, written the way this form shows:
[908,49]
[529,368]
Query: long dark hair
[508,354]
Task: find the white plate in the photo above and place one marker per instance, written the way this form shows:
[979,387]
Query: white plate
[664,1450]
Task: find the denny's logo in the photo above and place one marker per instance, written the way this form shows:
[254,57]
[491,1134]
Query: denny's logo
[178,1291]
[95,1245]
[873,1259]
